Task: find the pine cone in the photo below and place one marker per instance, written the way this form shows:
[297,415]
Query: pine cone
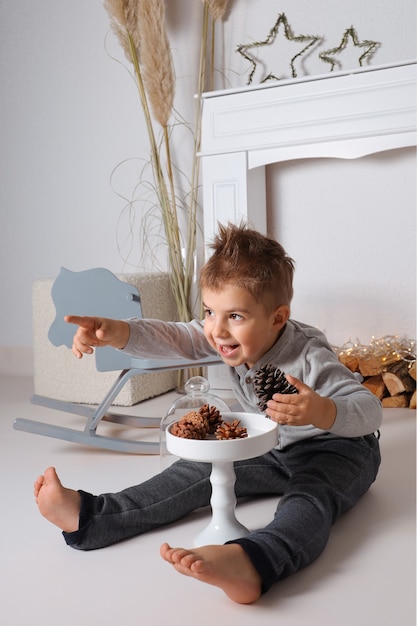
[231,430]
[191,426]
[213,417]
[269,380]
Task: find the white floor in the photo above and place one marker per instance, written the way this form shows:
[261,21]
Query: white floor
[366,576]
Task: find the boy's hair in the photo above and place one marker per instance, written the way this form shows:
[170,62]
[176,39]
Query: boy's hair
[244,258]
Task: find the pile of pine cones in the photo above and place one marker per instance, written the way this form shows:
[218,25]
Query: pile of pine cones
[207,421]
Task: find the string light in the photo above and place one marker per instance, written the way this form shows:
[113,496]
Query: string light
[387,350]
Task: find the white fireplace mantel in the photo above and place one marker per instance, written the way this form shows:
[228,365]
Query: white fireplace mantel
[341,115]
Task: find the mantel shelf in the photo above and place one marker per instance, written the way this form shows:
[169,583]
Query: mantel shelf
[346,115]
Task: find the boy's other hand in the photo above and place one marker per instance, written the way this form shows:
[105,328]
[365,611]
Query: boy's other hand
[302,408]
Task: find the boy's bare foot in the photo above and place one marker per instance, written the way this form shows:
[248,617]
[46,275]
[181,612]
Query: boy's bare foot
[224,566]
[56,503]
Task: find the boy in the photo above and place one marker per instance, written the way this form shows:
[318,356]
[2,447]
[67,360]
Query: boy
[327,456]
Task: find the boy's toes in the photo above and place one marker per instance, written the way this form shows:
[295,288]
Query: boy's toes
[37,485]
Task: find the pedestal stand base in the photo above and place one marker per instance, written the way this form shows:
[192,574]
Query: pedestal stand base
[223,525]
[262,437]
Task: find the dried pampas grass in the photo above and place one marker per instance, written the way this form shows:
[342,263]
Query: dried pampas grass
[217,8]
[140,29]
[156,59]
[139,26]
[123,22]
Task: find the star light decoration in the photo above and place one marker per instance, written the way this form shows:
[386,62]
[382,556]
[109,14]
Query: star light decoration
[350,33]
[273,33]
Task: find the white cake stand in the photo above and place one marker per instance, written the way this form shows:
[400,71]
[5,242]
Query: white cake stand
[262,437]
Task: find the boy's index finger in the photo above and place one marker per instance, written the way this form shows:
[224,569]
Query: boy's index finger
[85,322]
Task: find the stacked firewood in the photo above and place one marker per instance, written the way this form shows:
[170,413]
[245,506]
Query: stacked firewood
[393,383]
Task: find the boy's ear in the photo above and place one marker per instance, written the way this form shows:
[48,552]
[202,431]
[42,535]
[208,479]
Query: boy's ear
[281,315]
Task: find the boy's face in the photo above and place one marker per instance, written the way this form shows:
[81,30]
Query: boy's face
[239,327]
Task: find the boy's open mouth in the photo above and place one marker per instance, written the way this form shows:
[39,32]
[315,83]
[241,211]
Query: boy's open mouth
[225,350]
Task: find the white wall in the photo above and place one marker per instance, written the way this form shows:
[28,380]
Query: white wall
[70,114]
[350,226]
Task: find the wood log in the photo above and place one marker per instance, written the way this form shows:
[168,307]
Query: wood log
[376,385]
[370,366]
[395,402]
[409,384]
[397,385]
[400,368]
[412,403]
[412,370]
[350,361]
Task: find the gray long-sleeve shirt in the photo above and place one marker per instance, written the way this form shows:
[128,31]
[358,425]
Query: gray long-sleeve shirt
[301,350]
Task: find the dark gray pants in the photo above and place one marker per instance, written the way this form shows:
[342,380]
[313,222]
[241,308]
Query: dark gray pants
[318,479]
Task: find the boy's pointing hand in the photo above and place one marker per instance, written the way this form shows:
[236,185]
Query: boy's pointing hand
[96,332]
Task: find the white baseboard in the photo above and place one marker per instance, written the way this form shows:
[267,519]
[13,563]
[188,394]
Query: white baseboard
[16,361]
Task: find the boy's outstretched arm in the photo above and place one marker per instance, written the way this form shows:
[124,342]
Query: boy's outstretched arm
[96,332]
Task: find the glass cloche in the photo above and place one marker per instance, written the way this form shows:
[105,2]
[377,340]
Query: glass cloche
[197,394]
